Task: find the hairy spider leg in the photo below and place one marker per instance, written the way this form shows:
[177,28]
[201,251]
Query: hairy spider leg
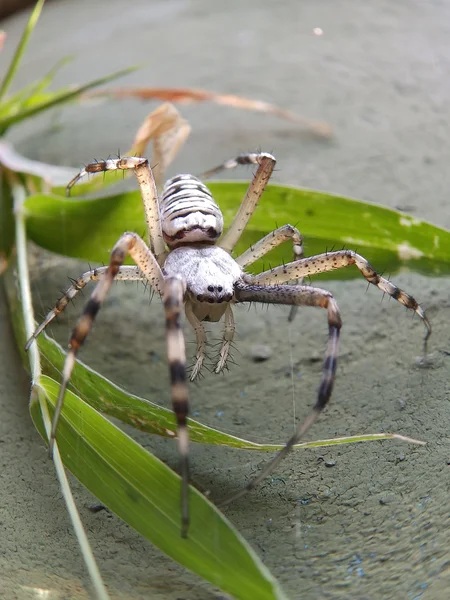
[268,243]
[125,273]
[200,336]
[129,243]
[297,295]
[149,194]
[329,261]
[266,164]
[174,289]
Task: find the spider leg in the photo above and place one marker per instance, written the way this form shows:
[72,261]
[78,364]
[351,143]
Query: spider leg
[228,335]
[174,289]
[266,164]
[322,263]
[248,158]
[298,296]
[200,335]
[125,273]
[147,186]
[128,243]
[271,241]
[268,243]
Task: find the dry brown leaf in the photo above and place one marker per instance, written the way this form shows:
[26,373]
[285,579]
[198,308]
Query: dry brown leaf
[193,95]
[168,131]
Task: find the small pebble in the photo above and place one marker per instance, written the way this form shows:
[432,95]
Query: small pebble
[95,508]
[387,498]
[261,353]
[330,463]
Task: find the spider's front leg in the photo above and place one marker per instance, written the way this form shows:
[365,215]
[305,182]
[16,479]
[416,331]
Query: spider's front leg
[296,295]
[268,243]
[129,243]
[174,290]
[322,263]
[125,273]
[149,193]
[266,164]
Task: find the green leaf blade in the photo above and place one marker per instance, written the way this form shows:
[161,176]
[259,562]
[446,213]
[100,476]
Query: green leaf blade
[390,240]
[146,494]
[108,398]
[14,65]
[46,100]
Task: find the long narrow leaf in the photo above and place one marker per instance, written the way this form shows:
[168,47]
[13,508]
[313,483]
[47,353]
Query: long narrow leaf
[59,97]
[109,398]
[34,17]
[6,221]
[50,175]
[31,93]
[22,288]
[196,95]
[146,494]
[134,484]
[389,239]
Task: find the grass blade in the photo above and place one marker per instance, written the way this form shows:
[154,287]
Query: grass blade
[104,396]
[14,65]
[38,398]
[145,493]
[31,92]
[134,484]
[59,97]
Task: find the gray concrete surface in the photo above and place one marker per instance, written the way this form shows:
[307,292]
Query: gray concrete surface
[375,525]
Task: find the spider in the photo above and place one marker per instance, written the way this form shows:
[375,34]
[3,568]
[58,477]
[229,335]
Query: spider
[188,262]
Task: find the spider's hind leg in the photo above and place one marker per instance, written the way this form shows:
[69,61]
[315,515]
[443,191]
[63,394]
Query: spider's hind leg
[149,193]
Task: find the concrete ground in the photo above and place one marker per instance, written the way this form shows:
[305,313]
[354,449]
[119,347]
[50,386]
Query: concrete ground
[376,524]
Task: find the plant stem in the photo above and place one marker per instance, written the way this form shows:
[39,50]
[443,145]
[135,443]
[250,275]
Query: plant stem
[18,193]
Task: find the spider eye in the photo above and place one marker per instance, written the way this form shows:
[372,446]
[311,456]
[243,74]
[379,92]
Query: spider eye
[210,288]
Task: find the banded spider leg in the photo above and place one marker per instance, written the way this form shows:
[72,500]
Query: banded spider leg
[271,240]
[148,269]
[270,287]
[267,288]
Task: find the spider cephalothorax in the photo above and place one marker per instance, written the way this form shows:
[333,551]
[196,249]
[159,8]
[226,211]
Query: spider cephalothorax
[188,262]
